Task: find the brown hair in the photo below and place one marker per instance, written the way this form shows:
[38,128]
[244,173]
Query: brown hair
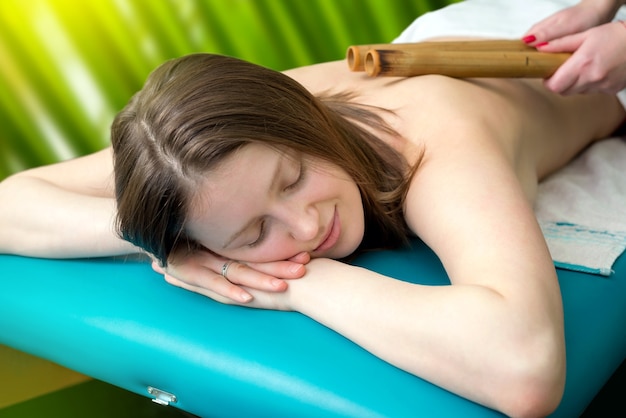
[196,110]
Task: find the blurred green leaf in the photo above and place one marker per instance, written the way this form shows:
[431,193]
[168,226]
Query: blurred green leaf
[67,66]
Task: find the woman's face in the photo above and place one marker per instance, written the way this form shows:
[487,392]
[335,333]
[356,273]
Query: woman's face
[264,205]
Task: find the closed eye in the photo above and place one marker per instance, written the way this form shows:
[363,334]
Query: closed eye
[293,186]
[261,236]
[299,179]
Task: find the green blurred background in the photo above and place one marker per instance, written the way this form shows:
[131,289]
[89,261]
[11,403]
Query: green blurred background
[67,66]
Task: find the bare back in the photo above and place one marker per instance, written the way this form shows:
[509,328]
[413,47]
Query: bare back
[539,131]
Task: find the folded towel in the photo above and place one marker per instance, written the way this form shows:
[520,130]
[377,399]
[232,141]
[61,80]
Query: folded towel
[582,209]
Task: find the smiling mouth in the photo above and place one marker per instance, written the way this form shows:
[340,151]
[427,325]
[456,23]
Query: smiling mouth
[333,234]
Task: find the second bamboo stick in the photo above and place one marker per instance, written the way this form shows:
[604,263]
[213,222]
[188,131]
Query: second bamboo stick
[356,54]
[462,64]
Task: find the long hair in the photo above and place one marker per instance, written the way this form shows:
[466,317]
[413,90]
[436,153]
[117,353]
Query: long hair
[196,110]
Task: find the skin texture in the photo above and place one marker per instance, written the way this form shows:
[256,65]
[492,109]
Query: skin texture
[494,336]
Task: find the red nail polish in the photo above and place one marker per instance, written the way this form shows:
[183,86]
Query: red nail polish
[528,39]
[541,44]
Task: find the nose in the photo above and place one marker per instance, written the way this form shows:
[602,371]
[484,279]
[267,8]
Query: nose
[302,221]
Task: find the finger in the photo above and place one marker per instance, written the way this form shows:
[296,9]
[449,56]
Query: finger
[285,269]
[214,287]
[568,21]
[565,44]
[567,78]
[253,276]
[301,258]
[562,82]
[546,30]
[260,300]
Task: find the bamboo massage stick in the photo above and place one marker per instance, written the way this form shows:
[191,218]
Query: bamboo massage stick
[356,53]
[509,64]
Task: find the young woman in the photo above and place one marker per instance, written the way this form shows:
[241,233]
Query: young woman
[234,178]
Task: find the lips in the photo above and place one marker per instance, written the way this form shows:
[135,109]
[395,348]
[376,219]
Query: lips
[333,234]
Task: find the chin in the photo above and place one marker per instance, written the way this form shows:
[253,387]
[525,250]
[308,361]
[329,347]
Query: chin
[348,247]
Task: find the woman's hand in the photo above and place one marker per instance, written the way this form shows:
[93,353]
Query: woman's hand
[201,272]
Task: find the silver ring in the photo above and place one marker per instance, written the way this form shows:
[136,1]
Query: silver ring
[225,268]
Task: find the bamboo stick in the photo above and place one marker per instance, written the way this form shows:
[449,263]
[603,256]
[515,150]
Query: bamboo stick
[355,54]
[409,63]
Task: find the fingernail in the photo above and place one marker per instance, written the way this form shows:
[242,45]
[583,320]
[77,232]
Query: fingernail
[541,44]
[277,283]
[246,297]
[528,39]
[296,268]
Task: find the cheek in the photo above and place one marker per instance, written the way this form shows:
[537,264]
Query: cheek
[355,234]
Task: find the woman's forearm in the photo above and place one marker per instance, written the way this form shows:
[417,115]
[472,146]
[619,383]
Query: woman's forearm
[468,339]
[40,219]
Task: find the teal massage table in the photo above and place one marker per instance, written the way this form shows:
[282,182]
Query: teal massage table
[118,321]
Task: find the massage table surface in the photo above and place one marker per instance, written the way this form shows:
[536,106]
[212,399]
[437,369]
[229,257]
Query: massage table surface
[116,320]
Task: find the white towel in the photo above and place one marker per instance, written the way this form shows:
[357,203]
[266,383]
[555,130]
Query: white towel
[581,209]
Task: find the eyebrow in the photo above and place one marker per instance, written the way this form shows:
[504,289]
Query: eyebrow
[273,183]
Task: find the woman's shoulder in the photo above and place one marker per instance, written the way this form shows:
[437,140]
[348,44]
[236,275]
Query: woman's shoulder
[335,76]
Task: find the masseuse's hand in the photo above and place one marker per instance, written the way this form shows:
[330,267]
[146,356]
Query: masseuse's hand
[201,272]
[574,19]
[598,60]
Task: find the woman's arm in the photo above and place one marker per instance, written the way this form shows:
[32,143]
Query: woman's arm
[61,210]
[496,334]
[504,307]
[67,210]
